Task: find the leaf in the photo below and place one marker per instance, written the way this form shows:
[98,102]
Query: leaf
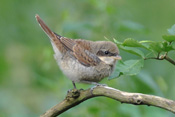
[133,51]
[161,47]
[156,46]
[173,45]
[115,73]
[129,67]
[171,31]
[169,38]
[117,42]
[133,43]
[146,41]
[167,47]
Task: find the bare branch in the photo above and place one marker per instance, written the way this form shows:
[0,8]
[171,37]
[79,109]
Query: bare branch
[152,58]
[170,60]
[162,57]
[75,97]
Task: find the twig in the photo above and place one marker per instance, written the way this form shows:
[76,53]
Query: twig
[152,58]
[162,57]
[170,60]
[75,97]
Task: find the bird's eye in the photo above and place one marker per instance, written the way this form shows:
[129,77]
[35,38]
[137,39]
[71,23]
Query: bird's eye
[106,52]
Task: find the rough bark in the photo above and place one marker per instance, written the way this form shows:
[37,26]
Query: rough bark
[75,97]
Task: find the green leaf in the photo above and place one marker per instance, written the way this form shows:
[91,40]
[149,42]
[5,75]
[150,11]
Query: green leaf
[146,41]
[167,47]
[156,46]
[133,43]
[169,38]
[173,45]
[171,31]
[133,51]
[115,74]
[117,42]
[129,67]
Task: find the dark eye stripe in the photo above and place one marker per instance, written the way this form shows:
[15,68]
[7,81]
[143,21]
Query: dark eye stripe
[106,53]
[113,54]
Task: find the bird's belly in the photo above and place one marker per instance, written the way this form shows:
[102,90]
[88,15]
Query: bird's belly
[78,72]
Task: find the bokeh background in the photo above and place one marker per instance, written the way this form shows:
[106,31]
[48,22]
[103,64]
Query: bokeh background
[30,80]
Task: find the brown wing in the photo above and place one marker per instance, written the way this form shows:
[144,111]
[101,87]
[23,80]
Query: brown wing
[85,57]
[80,50]
[66,42]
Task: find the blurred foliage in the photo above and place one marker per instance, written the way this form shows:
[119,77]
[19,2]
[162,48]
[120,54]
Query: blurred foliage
[30,80]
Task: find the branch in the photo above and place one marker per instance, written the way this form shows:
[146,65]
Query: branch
[75,97]
[170,60]
[162,57]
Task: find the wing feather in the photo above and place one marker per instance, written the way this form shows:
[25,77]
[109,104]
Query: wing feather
[85,57]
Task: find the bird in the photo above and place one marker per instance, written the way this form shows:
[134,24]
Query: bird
[82,61]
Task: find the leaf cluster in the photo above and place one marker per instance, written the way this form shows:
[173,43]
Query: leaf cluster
[145,49]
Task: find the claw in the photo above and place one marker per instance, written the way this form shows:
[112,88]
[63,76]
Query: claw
[69,91]
[73,93]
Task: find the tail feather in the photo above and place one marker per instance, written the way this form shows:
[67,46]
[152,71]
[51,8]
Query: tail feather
[45,28]
[55,39]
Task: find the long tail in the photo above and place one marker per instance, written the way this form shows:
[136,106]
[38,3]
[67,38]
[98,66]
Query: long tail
[45,28]
[55,39]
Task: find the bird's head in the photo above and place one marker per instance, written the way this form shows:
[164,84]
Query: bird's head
[107,51]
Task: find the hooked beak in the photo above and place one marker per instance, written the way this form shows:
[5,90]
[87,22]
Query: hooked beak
[118,57]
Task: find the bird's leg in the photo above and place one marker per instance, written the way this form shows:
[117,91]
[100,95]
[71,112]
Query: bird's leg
[73,88]
[73,93]
[74,84]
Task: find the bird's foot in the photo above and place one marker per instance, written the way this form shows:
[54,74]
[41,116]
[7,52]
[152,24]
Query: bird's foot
[73,93]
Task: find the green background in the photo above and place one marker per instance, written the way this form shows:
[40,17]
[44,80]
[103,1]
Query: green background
[30,80]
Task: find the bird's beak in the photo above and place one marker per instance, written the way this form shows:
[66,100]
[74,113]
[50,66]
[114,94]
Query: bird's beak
[110,59]
[117,57]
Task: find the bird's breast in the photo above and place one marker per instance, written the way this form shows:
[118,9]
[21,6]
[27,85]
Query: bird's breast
[77,72]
